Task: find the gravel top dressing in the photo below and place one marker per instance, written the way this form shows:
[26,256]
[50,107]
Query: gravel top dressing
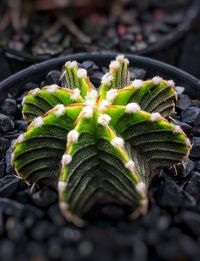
[32,227]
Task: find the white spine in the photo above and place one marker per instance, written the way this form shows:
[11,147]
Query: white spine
[73,136]
[66,159]
[157,80]
[132,108]
[81,73]
[38,122]
[104,119]
[35,91]
[137,83]
[156,116]
[117,142]
[52,88]
[75,94]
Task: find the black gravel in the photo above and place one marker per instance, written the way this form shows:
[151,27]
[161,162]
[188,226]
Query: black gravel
[32,227]
[136,26]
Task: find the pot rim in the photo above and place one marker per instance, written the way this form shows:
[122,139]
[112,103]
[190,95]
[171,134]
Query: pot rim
[163,44]
[30,72]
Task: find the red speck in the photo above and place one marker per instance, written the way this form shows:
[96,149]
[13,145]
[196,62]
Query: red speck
[121,29]
[139,37]
[94,17]
[16,37]
[158,13]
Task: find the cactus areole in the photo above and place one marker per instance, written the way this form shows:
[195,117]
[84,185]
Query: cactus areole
[99,145]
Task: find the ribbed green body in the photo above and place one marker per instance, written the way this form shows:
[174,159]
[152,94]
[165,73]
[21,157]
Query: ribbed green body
[99,146]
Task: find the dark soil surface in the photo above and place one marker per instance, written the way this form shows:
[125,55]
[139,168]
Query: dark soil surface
[32,228]
[132,27]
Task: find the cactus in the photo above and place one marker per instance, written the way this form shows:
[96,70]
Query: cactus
[99,146]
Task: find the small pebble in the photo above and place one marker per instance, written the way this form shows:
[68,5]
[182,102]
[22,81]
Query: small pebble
[6,123]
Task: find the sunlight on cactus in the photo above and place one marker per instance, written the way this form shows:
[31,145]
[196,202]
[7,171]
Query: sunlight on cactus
[99,146]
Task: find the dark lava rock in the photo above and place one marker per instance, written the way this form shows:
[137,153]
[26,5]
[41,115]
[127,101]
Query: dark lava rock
[7,250]
[30,86]
[189,222]
[195,152]
[96,78]
[9,168]
[55,215]
[171,195]
[90,65]
[9,185]
[2,168]
[190,115]
[4,145]
[53,77]
[9,107]
[184,126]
[197,165]
[6,123]
[193,186]
[184,102]
[43,230]
[136,73]
[21,125]
[179,90]
[44,197]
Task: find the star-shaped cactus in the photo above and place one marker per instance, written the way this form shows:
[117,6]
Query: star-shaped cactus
[99,146]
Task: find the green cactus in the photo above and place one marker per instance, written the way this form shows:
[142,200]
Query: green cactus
[99,146]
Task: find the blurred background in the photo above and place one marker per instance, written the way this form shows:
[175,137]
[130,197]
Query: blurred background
[36,30]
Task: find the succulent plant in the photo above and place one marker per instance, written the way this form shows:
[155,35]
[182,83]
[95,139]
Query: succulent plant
[99,146]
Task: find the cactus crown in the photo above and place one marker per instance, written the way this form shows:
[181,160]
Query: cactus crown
[102,145]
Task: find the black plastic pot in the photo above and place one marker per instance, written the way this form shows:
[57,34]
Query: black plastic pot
[167,50]
[36,73]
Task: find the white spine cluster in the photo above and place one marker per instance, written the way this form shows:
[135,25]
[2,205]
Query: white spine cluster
[81,73]
[111,94]
[35,91]
[137,83]
[117,142]
[141,187]
[73,136]
[120,58]
[107,78]
[66,159]
[188,143]
[157,80]
[73,64]
[130,165]
[62,186]
[177,129]
[103,104]
[52,88]
[91,98]
[92,95]
[156,116]
[104,119]
[20,138]
[114,65]
[132,107]
[60,109]
[38,122]
[75,94]
[171,83]
[87,111]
